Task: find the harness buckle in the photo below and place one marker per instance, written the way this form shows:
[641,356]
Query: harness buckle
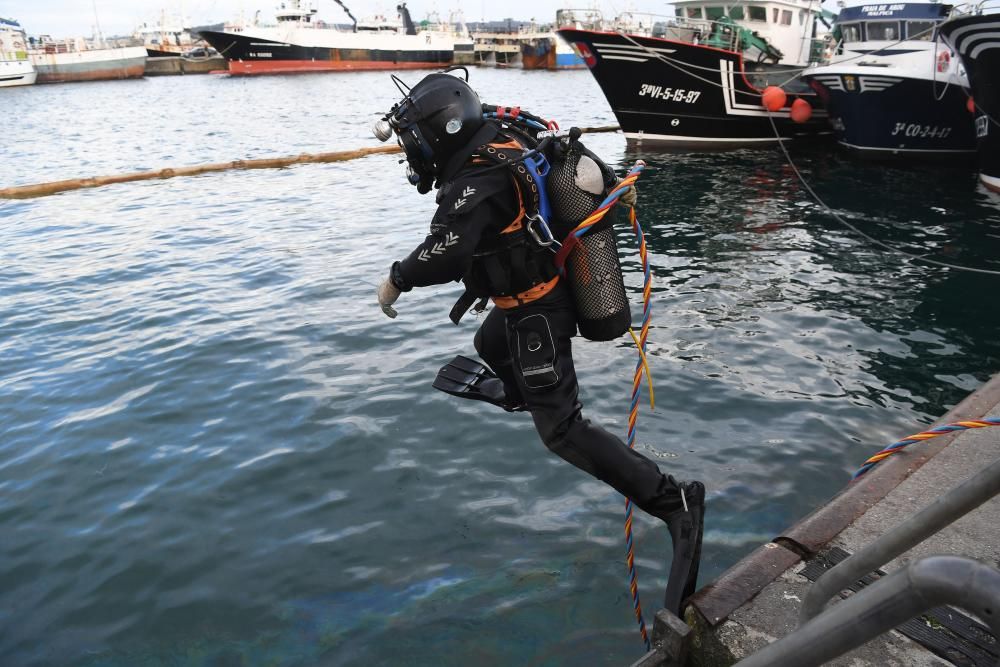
[545,239]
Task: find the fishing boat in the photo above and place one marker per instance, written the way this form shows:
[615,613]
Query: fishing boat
[60,61]
[976,38]
[497,49]
[696,79]
[538,51]
[301,43]
[167,38]
[197,60]
[15,66]
[892,89]
[546,50]
[567,57]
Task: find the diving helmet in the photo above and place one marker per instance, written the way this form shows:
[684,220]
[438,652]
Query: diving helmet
[435,119]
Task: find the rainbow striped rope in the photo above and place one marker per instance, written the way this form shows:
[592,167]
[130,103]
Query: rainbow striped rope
[925,435]
[610,200]
[640,366]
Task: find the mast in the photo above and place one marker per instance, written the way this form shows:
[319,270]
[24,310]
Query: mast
[97,22]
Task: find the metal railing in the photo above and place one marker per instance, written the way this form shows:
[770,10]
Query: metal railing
[920,586]
[942,512]
[898,597]
[633,23]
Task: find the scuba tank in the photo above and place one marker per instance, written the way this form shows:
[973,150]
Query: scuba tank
[592,267]
[572,183]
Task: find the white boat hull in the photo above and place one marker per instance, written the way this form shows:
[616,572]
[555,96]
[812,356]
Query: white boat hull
[16,73]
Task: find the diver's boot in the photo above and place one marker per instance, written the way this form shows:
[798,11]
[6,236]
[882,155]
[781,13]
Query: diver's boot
[685,527]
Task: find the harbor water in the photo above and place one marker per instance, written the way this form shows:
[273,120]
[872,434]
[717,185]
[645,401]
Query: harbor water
[216,450]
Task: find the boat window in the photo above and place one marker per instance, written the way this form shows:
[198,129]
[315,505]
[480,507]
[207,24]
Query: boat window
[757,14]
[714,13]
[882,31]
[920,30]
[786,17]
[851,32]
[736,13]
[694,13]
[679,11]
[774,15]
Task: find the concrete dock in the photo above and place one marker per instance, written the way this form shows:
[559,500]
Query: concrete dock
[758,600]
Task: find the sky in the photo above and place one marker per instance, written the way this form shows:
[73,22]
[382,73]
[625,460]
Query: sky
[71,18]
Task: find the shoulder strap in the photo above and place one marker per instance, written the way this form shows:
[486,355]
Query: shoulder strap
[501,153]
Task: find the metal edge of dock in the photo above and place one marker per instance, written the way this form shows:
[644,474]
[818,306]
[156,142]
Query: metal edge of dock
[714,603]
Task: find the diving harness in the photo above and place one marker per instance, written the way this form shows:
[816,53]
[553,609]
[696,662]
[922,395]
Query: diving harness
[527,262]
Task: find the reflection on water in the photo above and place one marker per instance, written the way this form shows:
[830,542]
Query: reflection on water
[216,449]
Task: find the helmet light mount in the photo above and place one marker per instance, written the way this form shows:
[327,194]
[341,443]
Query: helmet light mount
[382,129]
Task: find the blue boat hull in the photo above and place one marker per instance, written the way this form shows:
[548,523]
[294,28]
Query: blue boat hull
[886,115]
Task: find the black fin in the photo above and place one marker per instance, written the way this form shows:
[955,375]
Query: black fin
[467,378]
[686,529]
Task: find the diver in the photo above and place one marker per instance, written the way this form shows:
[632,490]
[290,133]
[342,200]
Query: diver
[482,234]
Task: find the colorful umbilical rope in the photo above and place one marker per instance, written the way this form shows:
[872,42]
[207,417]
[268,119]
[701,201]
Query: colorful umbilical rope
[580,230]
[924,435]
[640,366]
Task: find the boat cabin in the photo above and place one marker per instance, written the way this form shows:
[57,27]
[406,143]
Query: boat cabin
[294,11]
[889,23]
[774,30]
[13,45]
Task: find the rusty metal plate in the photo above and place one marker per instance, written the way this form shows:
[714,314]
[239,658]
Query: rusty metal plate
[741,582]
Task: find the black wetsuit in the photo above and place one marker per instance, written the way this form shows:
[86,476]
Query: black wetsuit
[473,207]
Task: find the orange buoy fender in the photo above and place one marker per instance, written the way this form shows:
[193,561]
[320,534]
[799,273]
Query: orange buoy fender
[773,98]
[801,111]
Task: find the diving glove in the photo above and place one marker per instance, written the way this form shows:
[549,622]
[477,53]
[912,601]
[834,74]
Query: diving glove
[387,295]
[628,197]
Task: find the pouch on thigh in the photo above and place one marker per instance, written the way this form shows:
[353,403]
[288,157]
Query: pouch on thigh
[535,351]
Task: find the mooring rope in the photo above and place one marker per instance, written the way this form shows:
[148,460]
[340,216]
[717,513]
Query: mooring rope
[54,187]
[897,447]
[881,244]
[925,435]
[640,366]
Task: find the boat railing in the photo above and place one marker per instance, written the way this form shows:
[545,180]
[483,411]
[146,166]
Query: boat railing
[59,47]
[593,19]
[722,33]
[821,50]
[49,46]
[701,31]
[581,19]
[975,8]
